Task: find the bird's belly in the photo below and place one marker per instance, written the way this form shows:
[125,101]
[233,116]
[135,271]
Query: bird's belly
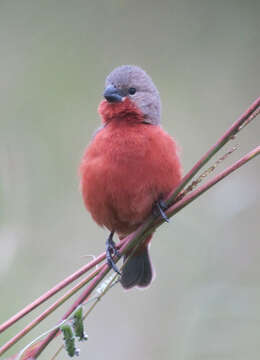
[119,195]
[121,184]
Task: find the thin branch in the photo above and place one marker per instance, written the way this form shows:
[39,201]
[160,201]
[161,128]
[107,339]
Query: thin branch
[61,285]
[238,125]
[35,342]
[83,297]
[132,240]
[199,191]
[108,286]
[48,311]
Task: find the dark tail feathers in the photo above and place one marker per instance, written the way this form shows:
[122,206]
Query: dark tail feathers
[137,271]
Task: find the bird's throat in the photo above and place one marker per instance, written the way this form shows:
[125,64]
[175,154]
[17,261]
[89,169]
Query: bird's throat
[122,111]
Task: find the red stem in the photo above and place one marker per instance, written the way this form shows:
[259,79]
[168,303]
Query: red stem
[47,312]
[83,297]
[171,211]
[212,151]
[51,292]
[200,190]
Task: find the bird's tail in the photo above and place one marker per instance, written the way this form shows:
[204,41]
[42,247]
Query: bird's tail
[137,270]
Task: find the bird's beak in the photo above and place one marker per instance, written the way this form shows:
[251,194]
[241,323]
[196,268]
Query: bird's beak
[112,94]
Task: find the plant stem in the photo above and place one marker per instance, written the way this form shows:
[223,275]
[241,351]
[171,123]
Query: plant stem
[250,113]
[200,190]
[143,231]
[61,285]
[105,269]
[131,239]
[48,311]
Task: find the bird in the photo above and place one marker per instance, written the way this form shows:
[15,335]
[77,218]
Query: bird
[129,167]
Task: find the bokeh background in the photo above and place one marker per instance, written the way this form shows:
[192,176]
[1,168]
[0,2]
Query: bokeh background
[204,57]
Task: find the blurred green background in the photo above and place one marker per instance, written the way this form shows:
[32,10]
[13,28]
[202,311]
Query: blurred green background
[204,57]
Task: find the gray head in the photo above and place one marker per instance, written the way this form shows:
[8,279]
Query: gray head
[133,82]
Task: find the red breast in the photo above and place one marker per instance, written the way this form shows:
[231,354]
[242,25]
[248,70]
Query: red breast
[127,167]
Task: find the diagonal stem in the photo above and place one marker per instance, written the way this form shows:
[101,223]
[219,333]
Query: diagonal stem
[48,311]
[61,285]
[83,297]
[243,120]
[132,239]
[199,191]
[143,231]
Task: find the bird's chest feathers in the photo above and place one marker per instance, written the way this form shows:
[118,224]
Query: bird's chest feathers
[125,170]
[124,147]
[121,163]
[118,175]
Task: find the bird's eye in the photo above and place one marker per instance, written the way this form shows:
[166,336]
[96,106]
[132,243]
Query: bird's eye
[131,91]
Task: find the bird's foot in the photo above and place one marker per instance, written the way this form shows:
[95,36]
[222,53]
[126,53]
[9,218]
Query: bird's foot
[111,251]
[159,208]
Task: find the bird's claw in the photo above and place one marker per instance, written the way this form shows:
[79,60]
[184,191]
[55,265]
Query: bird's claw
[111,251]
[159,208]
